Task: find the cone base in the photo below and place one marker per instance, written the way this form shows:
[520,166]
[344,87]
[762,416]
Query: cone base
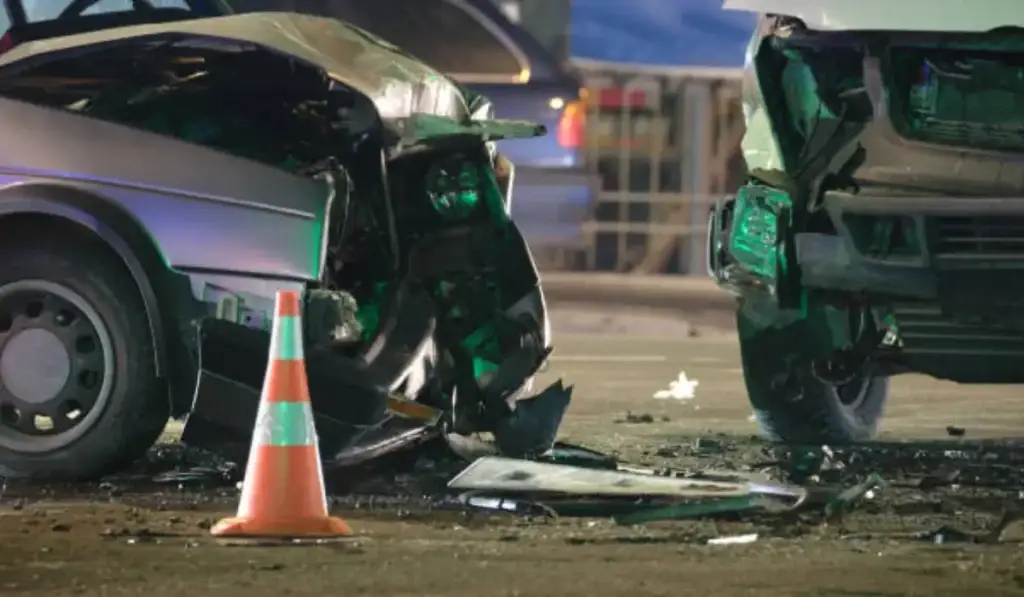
[283,528]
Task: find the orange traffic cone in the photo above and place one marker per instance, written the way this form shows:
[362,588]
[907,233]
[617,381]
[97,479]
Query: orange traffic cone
[283,493]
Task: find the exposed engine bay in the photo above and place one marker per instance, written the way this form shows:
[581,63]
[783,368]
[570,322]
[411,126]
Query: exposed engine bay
[428,291]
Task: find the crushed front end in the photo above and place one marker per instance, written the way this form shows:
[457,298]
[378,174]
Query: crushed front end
[429,316]
[885,211]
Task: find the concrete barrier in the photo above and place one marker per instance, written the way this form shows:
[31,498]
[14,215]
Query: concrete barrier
[672,293]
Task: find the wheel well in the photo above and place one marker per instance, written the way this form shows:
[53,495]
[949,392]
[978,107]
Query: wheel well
[34,225]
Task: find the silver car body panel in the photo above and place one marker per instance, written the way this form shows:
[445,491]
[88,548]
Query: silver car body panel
[205,209]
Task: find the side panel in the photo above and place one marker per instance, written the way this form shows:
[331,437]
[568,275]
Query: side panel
[206,210]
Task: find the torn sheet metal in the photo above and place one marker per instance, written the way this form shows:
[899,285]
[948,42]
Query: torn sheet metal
[756,483]
[499,474]
[532,427]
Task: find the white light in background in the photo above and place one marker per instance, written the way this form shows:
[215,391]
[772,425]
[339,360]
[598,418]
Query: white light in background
[682,388]
[511,9]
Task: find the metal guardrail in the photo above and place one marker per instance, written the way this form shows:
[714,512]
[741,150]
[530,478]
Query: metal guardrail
[663,143]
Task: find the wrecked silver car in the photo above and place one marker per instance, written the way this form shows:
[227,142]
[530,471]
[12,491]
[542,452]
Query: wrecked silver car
[160,182]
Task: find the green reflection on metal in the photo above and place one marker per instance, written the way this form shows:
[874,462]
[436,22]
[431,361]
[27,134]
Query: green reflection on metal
[455,194]
[368,314]
[755,242]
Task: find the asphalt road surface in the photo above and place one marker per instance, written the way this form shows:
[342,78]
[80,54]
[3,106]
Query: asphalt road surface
[133,540]
[618,373]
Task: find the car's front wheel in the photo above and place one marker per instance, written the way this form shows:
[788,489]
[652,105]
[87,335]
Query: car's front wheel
[794,403]
[79,394]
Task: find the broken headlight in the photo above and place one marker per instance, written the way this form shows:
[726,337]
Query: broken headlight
[453,187]
[749,241]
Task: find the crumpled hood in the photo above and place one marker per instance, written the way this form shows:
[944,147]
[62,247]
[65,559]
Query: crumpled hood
[401,87]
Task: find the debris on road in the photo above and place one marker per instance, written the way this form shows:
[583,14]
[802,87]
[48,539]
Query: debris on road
[734,539]
[942,477]
[496,473]
[682,388]
[532,427]
[845,500]
[691,510]
[630,495]
[745,486]
[636,419]
[821,484]
[946,534]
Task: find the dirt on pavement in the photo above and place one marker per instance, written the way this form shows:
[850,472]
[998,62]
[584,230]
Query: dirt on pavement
[132,537]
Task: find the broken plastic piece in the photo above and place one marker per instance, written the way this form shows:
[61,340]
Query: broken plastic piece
[682,388]
[943,477]
[531,429]
[1008,528]
[734,539]
[807,463]
[946,534]
[846,499]
[572,455]
[523,476]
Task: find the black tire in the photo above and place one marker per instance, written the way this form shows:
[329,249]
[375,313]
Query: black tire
[806,410]
[135,409]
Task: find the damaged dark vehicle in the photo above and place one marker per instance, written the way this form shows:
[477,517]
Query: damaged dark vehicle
[160,182]
[882,229]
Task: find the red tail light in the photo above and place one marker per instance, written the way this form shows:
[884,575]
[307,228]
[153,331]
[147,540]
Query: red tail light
[573,125]
[6,42]
[615,97]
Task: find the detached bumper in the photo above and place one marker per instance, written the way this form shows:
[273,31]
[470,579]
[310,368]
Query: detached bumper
[346,396]
[551,204]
